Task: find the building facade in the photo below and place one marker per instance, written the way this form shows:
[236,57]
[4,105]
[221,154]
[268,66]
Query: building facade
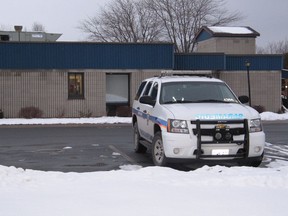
[76,79]
[229,40]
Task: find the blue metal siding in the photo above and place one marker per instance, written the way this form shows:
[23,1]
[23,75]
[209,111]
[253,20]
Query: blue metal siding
[85,56]
[200,61]
[67,55]
[257,62]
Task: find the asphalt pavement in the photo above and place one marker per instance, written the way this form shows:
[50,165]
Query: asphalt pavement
[86,148]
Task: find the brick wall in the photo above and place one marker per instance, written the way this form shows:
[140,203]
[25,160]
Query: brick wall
[265,87]
[48,90]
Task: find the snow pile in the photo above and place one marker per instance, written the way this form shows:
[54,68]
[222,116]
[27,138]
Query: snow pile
[145,191]
[270,116]
[50,121]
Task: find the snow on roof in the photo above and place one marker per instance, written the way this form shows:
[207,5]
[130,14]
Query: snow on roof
[231,30]
[224,31]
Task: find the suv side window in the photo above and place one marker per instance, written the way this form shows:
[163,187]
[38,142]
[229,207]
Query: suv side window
[147,89]
[154,91]
[140,89]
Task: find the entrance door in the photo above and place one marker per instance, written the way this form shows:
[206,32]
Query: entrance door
[117,94]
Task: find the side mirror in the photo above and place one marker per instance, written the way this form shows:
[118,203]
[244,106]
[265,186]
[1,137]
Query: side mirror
[243,99]
[147,100]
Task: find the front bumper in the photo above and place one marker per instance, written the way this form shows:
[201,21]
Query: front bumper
[200,143]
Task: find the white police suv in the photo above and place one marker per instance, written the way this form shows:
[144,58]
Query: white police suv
[195,118]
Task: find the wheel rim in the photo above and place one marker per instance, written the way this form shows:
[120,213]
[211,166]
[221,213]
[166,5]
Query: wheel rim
[158,151]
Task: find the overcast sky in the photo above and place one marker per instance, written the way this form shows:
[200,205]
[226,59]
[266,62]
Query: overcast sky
[63,16]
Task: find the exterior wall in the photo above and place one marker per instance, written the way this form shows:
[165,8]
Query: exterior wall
[28,36]
[207,46]
[200,61]
[265,87]
[233,45]
[48,90]
[85,55]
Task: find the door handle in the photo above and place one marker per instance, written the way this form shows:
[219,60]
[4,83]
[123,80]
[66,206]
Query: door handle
[138,108]
[145,111]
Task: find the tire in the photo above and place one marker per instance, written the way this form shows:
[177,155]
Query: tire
[158,154]
[138,147]
[254,163]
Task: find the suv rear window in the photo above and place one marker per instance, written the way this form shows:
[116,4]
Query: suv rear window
[147,89]
[140,89]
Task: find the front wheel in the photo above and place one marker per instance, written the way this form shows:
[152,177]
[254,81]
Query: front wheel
[158,153]
[257,162]
[254,163]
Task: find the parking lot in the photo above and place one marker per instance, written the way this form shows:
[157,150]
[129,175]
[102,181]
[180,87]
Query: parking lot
[85,148]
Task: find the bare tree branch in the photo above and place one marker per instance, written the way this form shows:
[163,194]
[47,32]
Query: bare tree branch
[176,21]
[123,21]
[279,47]
[38,27]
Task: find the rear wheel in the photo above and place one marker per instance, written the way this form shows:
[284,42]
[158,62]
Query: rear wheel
[138,147]
[158,153]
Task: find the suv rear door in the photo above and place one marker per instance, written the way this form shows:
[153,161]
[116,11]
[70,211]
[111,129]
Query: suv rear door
[146,124]
[139,107]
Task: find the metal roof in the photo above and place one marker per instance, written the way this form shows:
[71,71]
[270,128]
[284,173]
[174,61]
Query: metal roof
[224,31]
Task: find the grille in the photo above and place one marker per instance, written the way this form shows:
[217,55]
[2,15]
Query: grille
[221,132]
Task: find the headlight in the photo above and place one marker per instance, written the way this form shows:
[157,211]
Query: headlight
[255,125]
[177,126]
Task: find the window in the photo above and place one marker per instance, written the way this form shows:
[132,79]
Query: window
[196,92]
[4,37]
[140,90]
[147,89]
[154,91]
[76,86]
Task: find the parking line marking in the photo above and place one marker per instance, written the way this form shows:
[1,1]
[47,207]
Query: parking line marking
[129,159]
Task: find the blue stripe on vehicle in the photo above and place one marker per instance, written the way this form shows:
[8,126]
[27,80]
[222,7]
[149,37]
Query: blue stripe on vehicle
[154,119]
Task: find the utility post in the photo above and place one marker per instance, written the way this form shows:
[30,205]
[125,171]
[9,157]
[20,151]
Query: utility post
[247,64]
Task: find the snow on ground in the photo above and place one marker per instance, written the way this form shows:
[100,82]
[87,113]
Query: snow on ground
[149,191]
[270,116]
[49,121]
[267,116]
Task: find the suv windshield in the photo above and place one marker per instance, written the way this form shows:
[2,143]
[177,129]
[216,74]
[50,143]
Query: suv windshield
[196,92]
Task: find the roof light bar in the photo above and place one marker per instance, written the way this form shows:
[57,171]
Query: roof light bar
[185,73]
